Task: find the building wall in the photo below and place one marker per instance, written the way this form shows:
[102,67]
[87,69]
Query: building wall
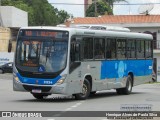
[157,55]
[13,17]
[5,35]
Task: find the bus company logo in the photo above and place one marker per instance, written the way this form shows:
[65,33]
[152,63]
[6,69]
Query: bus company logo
[6,114]
[121,67]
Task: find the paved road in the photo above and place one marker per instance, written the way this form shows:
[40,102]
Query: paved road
[143,95]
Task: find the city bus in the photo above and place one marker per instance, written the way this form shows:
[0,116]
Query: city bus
[79,62]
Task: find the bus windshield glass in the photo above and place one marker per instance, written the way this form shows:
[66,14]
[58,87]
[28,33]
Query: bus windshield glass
[42,51]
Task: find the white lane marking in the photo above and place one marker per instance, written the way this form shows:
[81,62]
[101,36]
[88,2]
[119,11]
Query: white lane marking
[74,106]
[67,109]
[50,119]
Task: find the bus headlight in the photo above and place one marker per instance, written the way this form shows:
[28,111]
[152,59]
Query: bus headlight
[16,78]
[61,80]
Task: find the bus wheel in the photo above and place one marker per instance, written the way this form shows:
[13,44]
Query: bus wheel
[119,91]
[126,90]
[1,71]
[39,96]
[85,91]
[93,92]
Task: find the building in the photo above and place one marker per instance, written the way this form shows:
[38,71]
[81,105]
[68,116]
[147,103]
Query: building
[149,24]
[11,19]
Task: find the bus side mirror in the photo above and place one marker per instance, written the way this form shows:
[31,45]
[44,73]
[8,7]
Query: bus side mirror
[10,46]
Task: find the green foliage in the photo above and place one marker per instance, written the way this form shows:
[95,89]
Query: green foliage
[40,12]
[102,9]
[110,2]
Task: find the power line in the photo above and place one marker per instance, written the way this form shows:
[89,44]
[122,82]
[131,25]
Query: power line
[114,4]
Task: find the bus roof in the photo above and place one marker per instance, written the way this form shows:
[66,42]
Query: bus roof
[92,32]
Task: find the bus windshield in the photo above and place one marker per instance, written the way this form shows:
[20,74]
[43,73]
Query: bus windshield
[41,54]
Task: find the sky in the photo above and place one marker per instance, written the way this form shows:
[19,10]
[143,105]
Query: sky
[128,9]
[75,10]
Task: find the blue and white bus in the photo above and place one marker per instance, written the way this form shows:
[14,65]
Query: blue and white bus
[79,62]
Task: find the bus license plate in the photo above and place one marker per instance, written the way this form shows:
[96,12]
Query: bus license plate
[36,91]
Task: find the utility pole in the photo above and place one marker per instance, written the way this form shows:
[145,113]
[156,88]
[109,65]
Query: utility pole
[1,21]
[95,5]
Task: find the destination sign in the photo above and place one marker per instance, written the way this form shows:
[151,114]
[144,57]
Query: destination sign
[44,33]
[41,33]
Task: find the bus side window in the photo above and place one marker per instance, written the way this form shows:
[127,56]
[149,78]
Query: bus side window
[110,48]
[99,48]
[121,48]
[88,48]
[74,51]
[131,47]
[148,47]
[140,48]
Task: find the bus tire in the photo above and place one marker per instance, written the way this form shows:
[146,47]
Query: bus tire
[119,91]
[126,90]
[85,91]
[1,71]
[39,96]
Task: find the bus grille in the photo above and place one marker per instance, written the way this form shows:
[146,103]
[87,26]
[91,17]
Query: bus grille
[30,88]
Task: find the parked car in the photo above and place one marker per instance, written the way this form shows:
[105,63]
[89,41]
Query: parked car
[6,68]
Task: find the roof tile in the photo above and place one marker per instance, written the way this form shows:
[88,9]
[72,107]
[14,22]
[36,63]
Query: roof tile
[118,19]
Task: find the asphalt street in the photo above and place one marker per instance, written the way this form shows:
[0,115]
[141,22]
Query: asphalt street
[146,95]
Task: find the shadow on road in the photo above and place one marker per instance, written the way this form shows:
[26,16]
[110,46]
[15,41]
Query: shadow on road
[110,94]
[72,99]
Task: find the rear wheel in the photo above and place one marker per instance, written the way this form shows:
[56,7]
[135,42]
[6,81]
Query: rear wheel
[119,91]
[39,96]
[1,71]
[85,91]
[128,89]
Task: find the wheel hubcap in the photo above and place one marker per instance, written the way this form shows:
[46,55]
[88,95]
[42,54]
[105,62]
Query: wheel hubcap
[84,89]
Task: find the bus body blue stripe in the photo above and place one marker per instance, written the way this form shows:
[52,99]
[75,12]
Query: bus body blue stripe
[120,68]
[38,81]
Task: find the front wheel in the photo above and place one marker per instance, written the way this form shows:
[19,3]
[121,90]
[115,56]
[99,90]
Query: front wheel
[1,71]
[39,96]
[85,91]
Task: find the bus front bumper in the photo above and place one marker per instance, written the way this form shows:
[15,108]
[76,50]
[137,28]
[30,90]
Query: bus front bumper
[49,89]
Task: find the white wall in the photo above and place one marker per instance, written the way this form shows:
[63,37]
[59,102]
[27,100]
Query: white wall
[13,17]
[157,55]
[6,57]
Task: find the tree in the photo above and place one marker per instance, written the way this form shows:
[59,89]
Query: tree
[110,2]
[40,12]
[102,9]
[62,16]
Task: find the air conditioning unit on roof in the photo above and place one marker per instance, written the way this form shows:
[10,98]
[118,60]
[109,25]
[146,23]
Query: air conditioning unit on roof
[100,27]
